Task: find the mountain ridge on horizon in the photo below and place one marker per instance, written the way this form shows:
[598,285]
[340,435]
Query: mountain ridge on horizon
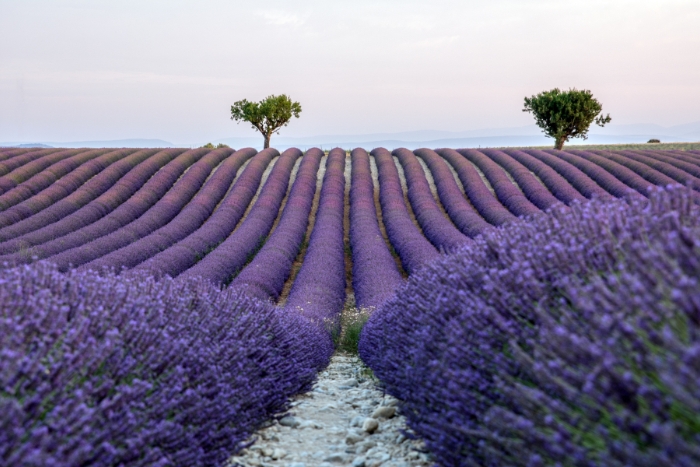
[528,135]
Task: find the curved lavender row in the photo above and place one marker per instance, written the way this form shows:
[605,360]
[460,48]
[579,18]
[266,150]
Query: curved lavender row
[453,199]
[189,219]
[407,239]
[439,230]
[508,352]
[162,212]
[69,174]
[508,194]
[561,177]
[474,187]
[535,191]
[679,171]
[689,164]
[108,167]
[227,260]
[129,371]
[651,176]
[61,208]
[185,254]
[28,170]
[106,213]
[676,155]
[19,160]
[265,275]
[375,276]
[622,174]
[7,153]
[602,177]
[318,292]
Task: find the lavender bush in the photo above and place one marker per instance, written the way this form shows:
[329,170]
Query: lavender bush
[8,153]
[618,171]
[534,191]
[406,238]
[48,162]
[375,275]
[318,291]
[93,161]
[46,157]
[28,199]
[163,211]
[463,214]
[223,263]
[127,371]
[671,159]
[185,253]
[651,174]
[679,175]
[572,339]
[508,193]
[685,156]
[483,200]
[559,176]
[436,227]
[265,275]
[113,208]
[602,177]
[185,222]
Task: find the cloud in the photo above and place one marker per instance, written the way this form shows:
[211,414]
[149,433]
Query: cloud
[283,18]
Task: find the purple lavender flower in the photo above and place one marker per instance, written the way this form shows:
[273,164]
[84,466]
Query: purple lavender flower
[535,191]
[18,169]
[437,228]
[164,210]
[318,292]
[265,275]
[572,338]
[478,193]
[452,197]
[185,222]
[375,275]
[561,177]
[406,238]
[509,194]
[44,189]
[125,370]
[112,209]
[222,264]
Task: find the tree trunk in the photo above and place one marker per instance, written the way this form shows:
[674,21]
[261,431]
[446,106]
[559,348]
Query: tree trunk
[267,141]
[560,143]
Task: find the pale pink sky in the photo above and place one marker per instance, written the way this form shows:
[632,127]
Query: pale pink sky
[170,69]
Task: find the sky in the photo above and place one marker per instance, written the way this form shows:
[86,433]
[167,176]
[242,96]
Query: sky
[170,69]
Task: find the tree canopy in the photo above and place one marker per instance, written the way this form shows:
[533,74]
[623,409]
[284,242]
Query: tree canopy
[266,116]
[565,114]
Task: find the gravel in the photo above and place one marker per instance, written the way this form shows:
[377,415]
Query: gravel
[345,420]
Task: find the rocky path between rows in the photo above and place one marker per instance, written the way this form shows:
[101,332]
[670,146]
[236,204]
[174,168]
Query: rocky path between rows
[345,420]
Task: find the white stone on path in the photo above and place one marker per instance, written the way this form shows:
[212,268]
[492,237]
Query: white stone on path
[344,420]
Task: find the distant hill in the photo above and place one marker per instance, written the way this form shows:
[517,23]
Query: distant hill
[34,145]
[116,143]
[529,135]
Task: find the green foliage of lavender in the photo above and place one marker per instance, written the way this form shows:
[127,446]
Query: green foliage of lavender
[107,371]
[570,340]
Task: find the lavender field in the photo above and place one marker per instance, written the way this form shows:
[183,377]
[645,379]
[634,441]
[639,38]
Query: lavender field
[529,307]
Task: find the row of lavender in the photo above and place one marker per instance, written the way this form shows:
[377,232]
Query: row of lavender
[127,370]
[118,220]
[572,338]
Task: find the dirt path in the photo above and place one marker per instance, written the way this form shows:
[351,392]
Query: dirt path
[344,420]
